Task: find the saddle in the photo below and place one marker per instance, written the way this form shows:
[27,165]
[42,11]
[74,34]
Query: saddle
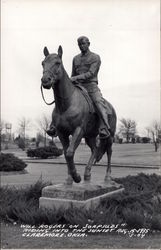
[106,104]
[88,99]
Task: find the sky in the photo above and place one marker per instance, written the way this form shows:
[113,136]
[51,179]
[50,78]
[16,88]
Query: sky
[125,33]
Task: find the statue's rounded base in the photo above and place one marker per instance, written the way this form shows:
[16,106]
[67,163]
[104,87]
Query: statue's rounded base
[84,195]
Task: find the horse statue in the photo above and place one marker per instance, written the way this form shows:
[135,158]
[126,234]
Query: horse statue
[75,118]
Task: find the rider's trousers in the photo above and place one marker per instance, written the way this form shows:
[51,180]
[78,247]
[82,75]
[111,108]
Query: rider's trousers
[101,109]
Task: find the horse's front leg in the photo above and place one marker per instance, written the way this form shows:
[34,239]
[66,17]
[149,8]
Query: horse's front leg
[108,170]
[65,142]
[75,141]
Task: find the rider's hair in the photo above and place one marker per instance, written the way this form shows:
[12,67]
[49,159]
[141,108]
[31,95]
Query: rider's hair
[81,38]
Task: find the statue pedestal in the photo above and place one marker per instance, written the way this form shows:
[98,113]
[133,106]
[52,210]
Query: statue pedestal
[82,195]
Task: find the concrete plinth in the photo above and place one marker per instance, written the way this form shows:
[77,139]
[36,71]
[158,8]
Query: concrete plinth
[83,195]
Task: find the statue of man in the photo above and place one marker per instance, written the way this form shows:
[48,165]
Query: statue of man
[84,71]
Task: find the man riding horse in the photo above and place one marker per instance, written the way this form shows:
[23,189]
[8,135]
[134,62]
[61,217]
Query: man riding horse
[73,116]
[84,72]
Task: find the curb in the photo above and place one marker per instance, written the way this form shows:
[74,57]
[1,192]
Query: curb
[98,164]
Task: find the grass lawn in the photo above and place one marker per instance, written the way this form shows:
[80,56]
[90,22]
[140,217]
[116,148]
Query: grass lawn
[126,154]
[11,237]
[137,208]
[11,233]
[123,154]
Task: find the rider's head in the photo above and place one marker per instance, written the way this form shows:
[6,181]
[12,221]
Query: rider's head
[83,43]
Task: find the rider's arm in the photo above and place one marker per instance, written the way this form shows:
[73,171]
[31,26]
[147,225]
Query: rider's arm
[73,69]
[73,75]
[93,70]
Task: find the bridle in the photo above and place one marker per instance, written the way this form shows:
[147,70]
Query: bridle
[42,93]
[52,83]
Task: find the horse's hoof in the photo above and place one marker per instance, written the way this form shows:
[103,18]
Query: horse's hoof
[51,131]
[87,177]
[76,177]
[111,183]
[108,179]
[69,181]
[69,153]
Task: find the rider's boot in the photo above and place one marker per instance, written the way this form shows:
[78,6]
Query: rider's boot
[51,131]
[104,130]
[103,133]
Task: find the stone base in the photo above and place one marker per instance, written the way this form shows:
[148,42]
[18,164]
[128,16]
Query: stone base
[83,195]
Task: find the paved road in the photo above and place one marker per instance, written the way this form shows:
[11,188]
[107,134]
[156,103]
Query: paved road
[123,154]
[57,173]
[127,160]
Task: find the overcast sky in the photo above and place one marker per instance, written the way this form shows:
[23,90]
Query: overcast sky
[125,33]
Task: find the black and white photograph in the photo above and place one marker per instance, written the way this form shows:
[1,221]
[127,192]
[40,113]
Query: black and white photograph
[80,127]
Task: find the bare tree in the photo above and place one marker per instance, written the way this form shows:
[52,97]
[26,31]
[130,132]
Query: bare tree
[127,127]
[148,129]
[155,130]
[39,138]
[156,127]
[44,124]
[24,125]
[2,127]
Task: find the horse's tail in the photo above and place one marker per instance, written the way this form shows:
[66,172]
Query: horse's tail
[113,122]
[112,118]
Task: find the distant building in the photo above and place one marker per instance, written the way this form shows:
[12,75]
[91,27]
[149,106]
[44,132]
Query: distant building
[123,136]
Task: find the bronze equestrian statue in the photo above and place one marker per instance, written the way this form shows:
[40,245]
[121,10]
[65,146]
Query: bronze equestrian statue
[76,115]
[84,72]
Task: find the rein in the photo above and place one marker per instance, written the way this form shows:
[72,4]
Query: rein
[56,96]
[44,97]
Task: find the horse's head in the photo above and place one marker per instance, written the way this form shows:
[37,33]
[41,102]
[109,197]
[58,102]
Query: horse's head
[52,68]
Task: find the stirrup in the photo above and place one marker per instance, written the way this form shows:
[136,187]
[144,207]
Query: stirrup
[104,135]
[51,131]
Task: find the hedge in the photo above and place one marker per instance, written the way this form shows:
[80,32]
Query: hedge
[9,162]
[139,206]
[44,152]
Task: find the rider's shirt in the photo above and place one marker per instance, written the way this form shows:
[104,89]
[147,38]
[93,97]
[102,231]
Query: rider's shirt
[86,67]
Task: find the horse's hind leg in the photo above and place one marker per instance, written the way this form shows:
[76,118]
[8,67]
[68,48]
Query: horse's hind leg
[156,146]
[109,154]
[108,179]
[91,142]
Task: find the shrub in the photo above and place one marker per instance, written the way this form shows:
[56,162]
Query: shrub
[156,222]
[21,204]
[21,143]
[138,139]
[34,191]
[9,162]
[120,140]
[133,140]
[134,218]
[136,207]
[145,139]
[141,183]
[44,152]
